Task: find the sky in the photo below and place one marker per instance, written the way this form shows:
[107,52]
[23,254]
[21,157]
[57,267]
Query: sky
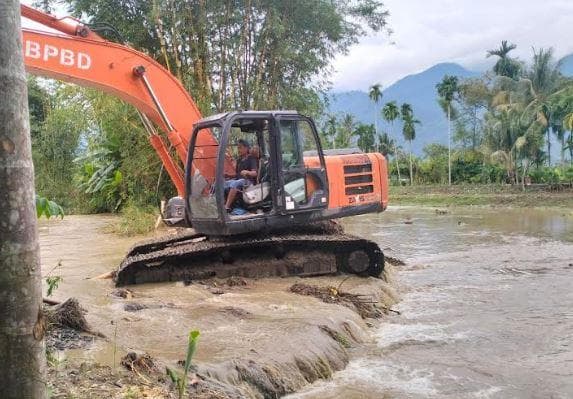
[427,32]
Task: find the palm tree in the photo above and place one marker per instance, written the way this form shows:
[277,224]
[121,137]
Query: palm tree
[390,113]
[409,131]
[505,66]
[568,124]
[542,81]
[447,88]
[330,130]
[387,144]
[375,95]
[345,131]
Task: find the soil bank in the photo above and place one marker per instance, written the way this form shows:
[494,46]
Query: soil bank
[258,339]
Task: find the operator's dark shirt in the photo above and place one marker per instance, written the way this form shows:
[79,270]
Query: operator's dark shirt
[248,163]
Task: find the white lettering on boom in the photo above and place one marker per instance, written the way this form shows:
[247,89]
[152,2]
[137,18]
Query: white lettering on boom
[65,57]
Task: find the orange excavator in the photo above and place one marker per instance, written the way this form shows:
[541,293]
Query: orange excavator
[281,224]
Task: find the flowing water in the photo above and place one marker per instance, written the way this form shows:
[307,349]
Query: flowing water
[487,307]
[486,310]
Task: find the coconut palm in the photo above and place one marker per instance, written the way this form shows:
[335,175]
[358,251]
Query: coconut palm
[409,131]
[447,88]
[375,95]
[390,113]
[505,66]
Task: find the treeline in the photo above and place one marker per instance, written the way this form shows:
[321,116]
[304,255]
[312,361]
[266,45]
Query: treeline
[501,126]
[90,150]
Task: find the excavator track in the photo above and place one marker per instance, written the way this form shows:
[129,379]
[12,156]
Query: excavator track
[188,257]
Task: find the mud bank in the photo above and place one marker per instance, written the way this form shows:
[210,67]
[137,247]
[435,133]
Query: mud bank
[258,338]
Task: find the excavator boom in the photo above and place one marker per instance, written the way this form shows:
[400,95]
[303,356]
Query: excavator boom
[78,55]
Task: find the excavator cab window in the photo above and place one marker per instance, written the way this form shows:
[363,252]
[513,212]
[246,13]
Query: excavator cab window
[202,197]
[254,197]
[303,179]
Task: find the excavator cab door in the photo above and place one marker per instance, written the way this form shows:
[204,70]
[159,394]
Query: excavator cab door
[302,179]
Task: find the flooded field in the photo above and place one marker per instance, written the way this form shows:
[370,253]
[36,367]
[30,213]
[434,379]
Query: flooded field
[487,305]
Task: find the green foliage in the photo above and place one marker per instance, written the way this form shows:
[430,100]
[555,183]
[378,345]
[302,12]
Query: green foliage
[548,175]
[390,112]
[345,131]
[375,93]
[386,145]
[135,220]
[56,140]
[53,282]
[180,381]
[505,65]
[366,136]
[242,55]
[448,88]
[47,208]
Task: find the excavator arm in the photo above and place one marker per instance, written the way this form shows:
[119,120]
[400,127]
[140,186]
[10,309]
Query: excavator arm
[78,55]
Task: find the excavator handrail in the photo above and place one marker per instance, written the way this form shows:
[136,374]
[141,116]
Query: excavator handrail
[78,55]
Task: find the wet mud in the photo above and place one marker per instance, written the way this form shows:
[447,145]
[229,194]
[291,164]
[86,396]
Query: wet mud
[258,338]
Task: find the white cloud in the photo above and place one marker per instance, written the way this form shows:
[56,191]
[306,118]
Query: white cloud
[427,32]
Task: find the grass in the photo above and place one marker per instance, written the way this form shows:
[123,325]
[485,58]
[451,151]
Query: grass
[135,220]
[481,195]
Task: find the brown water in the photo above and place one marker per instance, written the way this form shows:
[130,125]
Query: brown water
[487,305]
[487,309]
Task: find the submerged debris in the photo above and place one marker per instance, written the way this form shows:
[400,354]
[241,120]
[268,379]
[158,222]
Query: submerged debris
[67,325]
[394,261]
[122,293]
[137,306]
[142,363]
[69,314]
[363,304]
[236,312]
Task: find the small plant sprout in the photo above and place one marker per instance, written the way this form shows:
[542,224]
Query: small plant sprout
[53,281]
[180,381]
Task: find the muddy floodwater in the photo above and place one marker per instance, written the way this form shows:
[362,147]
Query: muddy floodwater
[487,307]
[486,304]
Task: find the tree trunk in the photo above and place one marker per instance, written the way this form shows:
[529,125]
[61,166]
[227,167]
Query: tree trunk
[449,147]
[396,156]
[21,323]
[548,148]
[563,151]
[411,169]
[376,125]
[571,148]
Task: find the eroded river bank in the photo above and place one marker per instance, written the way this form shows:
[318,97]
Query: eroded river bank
[485,310]
[259,338]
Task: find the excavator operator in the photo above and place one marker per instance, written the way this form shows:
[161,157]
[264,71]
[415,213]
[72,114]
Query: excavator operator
[247,171]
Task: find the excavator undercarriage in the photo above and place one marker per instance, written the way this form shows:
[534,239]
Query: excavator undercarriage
[316,250]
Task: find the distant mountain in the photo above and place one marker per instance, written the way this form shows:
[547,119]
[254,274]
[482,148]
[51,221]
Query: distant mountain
[566,65]
[419,90]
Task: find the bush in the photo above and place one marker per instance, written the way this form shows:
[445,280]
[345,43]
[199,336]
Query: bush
[135,220]
[547,175]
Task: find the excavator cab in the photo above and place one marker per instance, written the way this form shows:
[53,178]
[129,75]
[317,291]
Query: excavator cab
[291,184]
